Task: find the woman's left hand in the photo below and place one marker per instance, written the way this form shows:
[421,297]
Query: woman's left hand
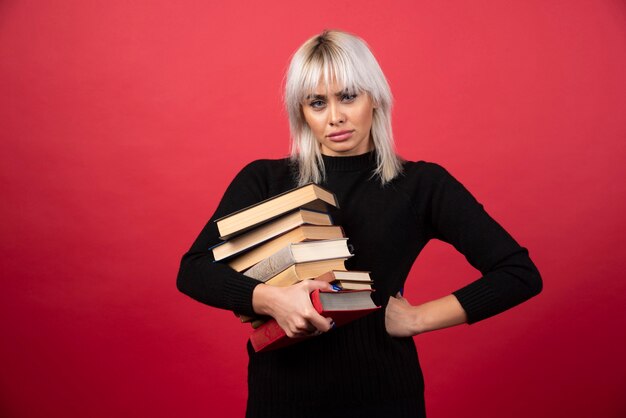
[405,320]
[400,317]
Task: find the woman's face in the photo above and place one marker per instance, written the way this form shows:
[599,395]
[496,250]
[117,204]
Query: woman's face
[340,120]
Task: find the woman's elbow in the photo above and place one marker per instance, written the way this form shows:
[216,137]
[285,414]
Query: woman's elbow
[183,279]
[535,283]
[531,278]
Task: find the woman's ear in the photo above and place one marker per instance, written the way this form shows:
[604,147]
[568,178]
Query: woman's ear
[374,102]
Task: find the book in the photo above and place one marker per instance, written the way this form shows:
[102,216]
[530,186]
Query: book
[300,234]
[268,231]
[299,252]
[309,196]
[343,307]
[348,280]
[303,271]
[352,276]
[345,285]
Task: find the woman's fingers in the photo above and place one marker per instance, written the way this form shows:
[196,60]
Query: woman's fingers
[312,323]
[319,322]
[293,310]
[308,330]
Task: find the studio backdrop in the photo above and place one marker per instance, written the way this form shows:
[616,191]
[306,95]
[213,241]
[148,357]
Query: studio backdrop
[122,123]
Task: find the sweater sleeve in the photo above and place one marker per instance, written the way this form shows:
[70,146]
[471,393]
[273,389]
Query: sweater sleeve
[213,283]
[509,277]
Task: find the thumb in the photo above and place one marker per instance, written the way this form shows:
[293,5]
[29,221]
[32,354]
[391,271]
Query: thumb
[401,298]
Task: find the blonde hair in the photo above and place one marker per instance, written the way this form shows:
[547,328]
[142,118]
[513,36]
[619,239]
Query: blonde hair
[344,58]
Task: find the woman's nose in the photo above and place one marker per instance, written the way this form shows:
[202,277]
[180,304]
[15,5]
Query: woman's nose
[336,115]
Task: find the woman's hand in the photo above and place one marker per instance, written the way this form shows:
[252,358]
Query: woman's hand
[291,307]
[404,320]
[400,317]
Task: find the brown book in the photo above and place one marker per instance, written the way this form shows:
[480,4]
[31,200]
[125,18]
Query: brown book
[310,196]
[298,235]
[268,231]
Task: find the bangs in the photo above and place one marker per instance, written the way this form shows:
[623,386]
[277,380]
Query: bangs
[329,65]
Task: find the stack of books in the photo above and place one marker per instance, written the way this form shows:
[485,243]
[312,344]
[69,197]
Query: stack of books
[289,238]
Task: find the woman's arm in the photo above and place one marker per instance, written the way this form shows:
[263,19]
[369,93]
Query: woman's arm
[509,277]
[404,320]
[218,285]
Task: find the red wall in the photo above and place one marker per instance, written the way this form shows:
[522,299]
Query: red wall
[122,122]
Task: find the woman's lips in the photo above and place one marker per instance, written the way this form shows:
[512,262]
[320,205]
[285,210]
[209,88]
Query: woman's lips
[340,136]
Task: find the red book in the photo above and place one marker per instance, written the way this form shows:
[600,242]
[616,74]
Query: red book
[343,306]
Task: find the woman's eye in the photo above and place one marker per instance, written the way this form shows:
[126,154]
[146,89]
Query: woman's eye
[348,97]
[317,104]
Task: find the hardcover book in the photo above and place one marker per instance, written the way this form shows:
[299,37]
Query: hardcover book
[310,196]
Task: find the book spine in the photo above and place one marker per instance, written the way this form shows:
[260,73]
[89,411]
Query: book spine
[266,335]
[272,265]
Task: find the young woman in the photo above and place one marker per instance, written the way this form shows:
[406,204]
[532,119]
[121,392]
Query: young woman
[339,106]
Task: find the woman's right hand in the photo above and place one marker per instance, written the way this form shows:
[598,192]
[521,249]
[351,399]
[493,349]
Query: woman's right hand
[291,307]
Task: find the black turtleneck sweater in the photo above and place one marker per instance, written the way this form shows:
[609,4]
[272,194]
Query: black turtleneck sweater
[358,370]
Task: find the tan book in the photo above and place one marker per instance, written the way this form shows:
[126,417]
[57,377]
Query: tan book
[303,271]
[300,252]
[342,274]
[348,280]
[268,231]
[345,285]
[298,235]
[310,196]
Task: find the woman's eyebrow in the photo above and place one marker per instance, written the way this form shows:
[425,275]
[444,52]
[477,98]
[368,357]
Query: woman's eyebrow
[323,96]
